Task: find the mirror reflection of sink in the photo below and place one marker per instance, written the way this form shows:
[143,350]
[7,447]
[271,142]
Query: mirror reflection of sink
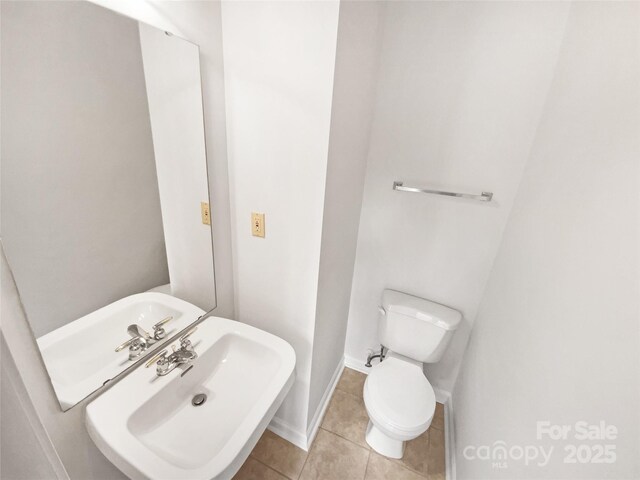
[80,356]
[201,423]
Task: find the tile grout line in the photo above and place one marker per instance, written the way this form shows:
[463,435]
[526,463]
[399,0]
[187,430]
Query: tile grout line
[368,449]
[251,455]
[366,467]
[306,459]
[337,434]
[369,452]
[349,393]
[271,468]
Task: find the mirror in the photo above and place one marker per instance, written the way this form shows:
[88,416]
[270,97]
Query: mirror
[105,220]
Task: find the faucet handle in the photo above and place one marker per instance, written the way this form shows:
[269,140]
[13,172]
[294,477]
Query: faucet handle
[137,331]
[158,356]
[158,331]
[128,343]
[163,321]
[184,337]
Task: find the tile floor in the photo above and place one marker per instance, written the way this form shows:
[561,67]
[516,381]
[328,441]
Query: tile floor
[340,451]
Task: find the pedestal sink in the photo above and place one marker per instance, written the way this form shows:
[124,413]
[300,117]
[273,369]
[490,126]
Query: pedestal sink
[195,423]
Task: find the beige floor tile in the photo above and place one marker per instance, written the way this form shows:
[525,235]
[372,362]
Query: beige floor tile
[416,454]
[381,468]
[435,457]
[347,417]
[254,470]
[334,458]
[438,417]
[280,455]
[352,382]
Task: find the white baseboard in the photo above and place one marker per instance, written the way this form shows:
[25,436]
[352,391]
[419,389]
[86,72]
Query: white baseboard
[356,364]
[442,396]
[324,403]
[286,431]
[449,439]
[300,440]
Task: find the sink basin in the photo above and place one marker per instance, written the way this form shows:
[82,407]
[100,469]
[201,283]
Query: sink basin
[80,356]
[149,427]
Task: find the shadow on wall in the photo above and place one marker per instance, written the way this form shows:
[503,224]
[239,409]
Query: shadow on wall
[556,338]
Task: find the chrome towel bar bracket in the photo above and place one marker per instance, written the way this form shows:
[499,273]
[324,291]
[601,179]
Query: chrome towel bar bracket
[483,197]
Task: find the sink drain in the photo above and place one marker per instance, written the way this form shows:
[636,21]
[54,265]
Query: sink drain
[199,399]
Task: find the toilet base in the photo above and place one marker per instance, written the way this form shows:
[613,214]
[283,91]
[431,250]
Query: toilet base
[382,443]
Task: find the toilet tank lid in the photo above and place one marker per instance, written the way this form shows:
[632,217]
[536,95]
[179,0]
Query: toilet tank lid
[422,309]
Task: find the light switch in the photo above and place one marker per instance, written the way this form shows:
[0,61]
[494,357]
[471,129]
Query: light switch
[257,224]
[205,213]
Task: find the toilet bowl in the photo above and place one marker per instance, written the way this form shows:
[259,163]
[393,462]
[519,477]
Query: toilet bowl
[398,397]
[400,403]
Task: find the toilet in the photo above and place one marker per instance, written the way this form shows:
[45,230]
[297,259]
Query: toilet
[399,399]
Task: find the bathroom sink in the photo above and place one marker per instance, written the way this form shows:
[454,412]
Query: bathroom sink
[159,427]
[80,356]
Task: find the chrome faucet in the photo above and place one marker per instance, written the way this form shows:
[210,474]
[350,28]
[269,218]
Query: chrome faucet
[141,339]
[184,355]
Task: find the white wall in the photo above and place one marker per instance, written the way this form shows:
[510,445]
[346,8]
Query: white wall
[351,115]
[199,22]
[556,336]
[279,65]
[81,219]
[172,74]
[461,89]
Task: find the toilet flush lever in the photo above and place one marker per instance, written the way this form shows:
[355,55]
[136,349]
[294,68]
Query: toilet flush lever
[382,310]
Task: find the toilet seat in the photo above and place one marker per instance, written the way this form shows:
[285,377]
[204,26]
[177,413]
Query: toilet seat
[399,399]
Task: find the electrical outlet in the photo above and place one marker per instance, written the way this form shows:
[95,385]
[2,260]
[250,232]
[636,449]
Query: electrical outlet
[205,213]
[257,224]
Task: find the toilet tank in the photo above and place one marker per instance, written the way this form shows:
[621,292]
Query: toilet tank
[415,327]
